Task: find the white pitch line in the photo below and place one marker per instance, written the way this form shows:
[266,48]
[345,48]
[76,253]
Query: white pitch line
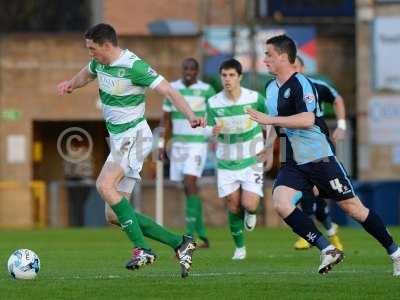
[210,274]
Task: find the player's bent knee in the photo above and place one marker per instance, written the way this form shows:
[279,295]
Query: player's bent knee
[251,204]
[104,187]
[282,208]
[98,185]
[285,199]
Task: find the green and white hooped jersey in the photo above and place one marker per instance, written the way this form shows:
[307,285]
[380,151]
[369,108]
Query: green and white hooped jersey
[241,138]
[122,87]
[196,96]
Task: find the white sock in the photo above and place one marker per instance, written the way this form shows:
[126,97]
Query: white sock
[396,253]
[330,247]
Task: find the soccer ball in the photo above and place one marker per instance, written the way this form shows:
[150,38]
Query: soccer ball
[23,264]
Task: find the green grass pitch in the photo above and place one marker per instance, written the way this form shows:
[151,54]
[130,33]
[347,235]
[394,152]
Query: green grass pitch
[89,264]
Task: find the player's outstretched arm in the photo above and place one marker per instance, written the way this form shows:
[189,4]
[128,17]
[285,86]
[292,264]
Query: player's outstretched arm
[300,120]
[82,78]
[260,117]
[165,89]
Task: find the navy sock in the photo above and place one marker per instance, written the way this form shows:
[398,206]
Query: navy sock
[327,223]
[374,226]
[322,213]
[304,227]
[307,205]
[321,243]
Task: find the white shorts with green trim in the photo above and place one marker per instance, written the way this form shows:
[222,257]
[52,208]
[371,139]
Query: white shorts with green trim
[129,149]
[187,159]
[249,179]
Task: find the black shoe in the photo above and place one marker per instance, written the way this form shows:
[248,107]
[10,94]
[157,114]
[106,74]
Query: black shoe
[184,253]
[140,258]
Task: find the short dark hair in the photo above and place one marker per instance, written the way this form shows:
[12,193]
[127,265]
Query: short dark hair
[102,33]
[300,60]
[231,64]
[284,44]
[193,61]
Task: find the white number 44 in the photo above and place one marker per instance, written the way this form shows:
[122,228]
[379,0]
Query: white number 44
[336,185]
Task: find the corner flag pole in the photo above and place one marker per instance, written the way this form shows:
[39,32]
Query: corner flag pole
[159,192]
[159,182]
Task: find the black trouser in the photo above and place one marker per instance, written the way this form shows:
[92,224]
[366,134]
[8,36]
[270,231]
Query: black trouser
[77,196]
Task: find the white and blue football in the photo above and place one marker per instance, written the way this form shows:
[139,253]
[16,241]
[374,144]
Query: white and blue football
[23,264]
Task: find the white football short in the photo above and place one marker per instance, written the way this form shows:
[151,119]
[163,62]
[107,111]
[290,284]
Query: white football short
[129,149]
[187,159]
[250,179]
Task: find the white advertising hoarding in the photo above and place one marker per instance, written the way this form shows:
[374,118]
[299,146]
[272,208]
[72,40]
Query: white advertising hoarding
[386,53]
[384,120]
[16,149]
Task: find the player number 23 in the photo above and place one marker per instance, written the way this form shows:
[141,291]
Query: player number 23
[257,178]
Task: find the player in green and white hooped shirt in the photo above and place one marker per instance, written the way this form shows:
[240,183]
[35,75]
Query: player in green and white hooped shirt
[189,145]
[239,141]
[122,77]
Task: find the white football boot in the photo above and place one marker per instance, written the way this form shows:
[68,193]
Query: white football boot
[329,257]
[250,221]
[396,262]
[240,253]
